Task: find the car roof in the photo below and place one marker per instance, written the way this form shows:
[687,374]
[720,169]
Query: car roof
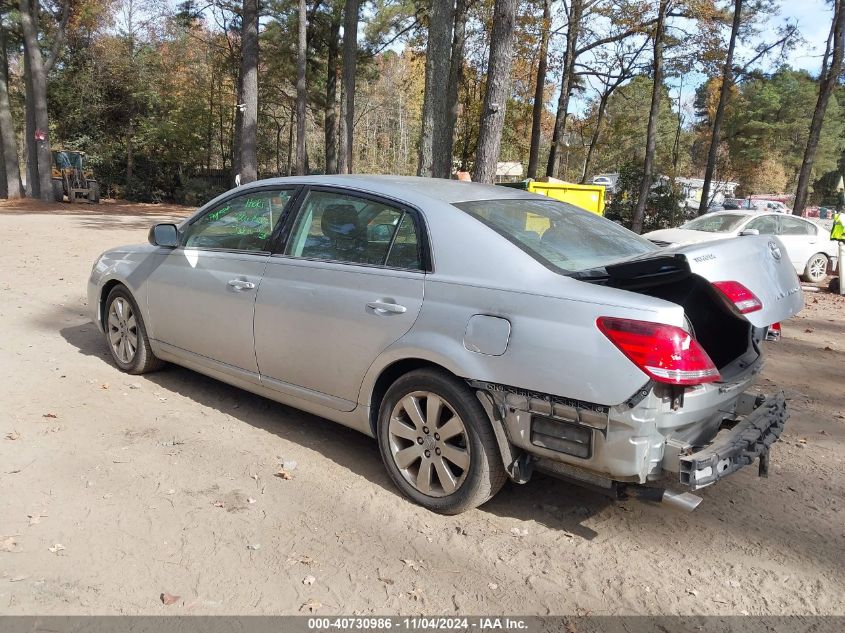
[408,188]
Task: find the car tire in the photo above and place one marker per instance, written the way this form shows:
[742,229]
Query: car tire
[816,269]
[437,443]
[126,335]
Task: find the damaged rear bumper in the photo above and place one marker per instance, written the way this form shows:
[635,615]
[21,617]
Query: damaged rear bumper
[747,441]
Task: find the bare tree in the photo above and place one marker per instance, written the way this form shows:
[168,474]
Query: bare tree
[330,110]
[456,72]
[38,67]
[498,88]
[347,94]
[301,93]
[249,88]
[435,107]
[832,69]
[7,127]
[539,90]
[651,129]
[574,15]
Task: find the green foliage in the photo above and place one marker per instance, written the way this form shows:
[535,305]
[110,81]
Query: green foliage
[662,210]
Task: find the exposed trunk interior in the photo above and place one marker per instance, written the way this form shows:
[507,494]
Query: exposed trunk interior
[725,336]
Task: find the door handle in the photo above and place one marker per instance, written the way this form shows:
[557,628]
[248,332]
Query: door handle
[241,284]
[383,308]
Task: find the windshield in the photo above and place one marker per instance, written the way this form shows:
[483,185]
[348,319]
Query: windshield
[558,234]
[724,223]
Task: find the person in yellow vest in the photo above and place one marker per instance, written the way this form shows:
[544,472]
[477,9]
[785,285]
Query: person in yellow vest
[837,232]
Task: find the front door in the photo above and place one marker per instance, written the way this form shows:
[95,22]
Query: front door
[348,283]
[202,295]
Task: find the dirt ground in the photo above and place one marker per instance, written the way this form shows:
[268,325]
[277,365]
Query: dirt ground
[115,489]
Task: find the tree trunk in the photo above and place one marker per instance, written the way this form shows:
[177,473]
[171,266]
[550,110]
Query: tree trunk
[498,91]
[39,99]
[539,91]
[433,161]
[575,12]
[7,128]
[238,125]
[347,95]
[301,93]
[595,136]
[827,83]
[456,74]
[724,91]
[651,130]
[249,74]
[330,116]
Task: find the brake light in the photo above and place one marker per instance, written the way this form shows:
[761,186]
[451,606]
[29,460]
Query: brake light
[666,353]
[773,332]
[739,296]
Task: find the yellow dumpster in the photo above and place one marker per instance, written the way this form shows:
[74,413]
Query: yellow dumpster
[589,197]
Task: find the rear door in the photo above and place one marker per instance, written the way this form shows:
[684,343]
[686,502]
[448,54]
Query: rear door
[346,282]
[801,240]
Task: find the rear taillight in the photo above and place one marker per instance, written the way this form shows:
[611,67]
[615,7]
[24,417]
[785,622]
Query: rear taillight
[666,353]
[773,332]
[740,297]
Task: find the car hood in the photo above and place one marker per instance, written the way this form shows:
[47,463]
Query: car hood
[684,236]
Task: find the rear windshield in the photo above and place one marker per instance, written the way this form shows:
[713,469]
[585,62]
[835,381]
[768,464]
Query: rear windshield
[558,234]
[722,223]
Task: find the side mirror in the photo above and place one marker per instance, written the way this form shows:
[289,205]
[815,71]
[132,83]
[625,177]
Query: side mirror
[164,235]
[750,232]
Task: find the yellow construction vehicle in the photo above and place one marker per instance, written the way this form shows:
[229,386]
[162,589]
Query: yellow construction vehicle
[73,178]
[588,197]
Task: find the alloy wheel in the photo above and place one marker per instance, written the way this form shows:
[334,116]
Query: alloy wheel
[429,443]
[122,330]
[818,267]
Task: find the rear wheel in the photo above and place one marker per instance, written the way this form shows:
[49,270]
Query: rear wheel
[93,191]
[58,190]
[437,443]
[816,268]
[126,335]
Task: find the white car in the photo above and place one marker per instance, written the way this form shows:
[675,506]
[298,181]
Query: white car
[808,245]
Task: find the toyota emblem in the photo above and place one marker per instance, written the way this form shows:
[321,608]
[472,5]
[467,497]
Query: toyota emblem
[774,249]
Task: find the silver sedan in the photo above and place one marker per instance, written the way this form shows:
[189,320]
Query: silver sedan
[479,333]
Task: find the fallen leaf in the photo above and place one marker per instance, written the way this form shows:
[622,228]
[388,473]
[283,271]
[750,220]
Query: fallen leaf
[416,594]
[386,581]
[254,547]
[8,544]
[308,580]
[49,415]
[803,440]
[284,474]
[14,435]
[692,592]
[517,532]
[34,519]
[828,348]
[293,559]
[105,385]
[250,500]
[312,605]
[413,564]
[289,464]
[18,578]
[808,331]
[169,598]
[493,586]
[218,504]
[58,547]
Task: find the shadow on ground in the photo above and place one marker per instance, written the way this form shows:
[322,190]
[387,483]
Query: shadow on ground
[544,499]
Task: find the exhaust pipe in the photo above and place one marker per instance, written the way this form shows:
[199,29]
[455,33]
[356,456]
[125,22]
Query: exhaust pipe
[685,501]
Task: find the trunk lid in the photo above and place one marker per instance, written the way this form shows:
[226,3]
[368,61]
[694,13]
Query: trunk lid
[758,262]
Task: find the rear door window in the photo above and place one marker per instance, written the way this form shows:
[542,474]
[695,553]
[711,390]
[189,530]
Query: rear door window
[558,234]
[794,226]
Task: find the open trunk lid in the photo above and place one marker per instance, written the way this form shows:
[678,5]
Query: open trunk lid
[760,263]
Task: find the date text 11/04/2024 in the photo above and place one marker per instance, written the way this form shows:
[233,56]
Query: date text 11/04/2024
[421,623]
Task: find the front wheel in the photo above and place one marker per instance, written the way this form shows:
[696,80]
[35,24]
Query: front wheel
[126,335]
[816,268]
[437,443]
